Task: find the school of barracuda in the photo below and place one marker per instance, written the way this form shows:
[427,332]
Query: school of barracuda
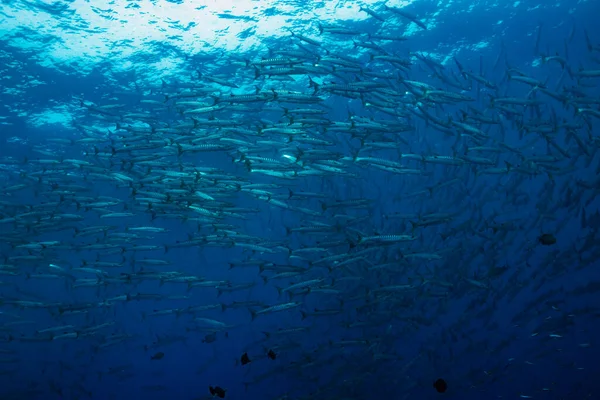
[226,165]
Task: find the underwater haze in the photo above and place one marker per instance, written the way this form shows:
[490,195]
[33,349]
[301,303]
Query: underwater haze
[293,200]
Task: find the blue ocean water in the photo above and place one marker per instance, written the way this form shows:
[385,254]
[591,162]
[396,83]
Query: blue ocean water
[358,198]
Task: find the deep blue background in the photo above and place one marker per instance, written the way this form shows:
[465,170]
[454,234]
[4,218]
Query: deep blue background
[472,338]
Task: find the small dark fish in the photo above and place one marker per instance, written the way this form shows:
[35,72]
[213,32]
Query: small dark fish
[211,337]
[217,391]
[440,385]
[158,356]
[547,239]
[245,359]
[271,354]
